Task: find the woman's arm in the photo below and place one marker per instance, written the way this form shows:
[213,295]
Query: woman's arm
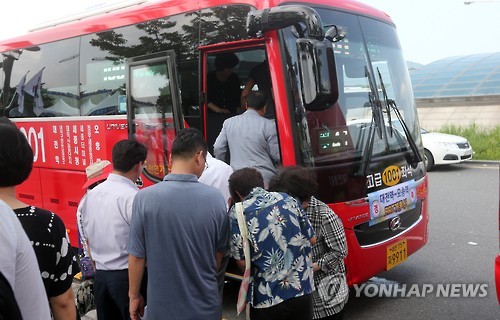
[333,231]
[63,306]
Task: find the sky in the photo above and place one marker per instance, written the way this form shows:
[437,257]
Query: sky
[428,30]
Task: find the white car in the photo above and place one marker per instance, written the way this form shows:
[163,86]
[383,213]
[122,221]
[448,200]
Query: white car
[442,148]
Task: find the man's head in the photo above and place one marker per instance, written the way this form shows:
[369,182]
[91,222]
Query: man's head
[16,156]
[128,157]
[226,60]
[242,181]
[189,151]
[257,101]
[299,182]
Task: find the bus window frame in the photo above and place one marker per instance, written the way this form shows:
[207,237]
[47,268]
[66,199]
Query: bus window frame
[213,49]
[167,57]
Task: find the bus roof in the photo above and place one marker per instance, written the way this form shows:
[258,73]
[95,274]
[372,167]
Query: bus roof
[145,11]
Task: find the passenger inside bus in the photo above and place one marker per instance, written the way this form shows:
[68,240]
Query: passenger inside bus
[260,76]
[252,73]
[251,139]
[223,93]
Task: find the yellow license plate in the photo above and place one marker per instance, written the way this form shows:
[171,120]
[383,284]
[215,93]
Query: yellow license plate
[396,254]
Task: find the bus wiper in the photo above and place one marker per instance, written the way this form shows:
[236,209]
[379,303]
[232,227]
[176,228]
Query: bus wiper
[368,150]
[391,104]
[409,137]
[386,99]
[375,104]
[377,122]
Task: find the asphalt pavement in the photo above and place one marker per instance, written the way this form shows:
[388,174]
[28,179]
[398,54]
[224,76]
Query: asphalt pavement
[463,243]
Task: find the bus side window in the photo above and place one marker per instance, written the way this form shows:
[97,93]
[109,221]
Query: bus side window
[43,80]
[102,79]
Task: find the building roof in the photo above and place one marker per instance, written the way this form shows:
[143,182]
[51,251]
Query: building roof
[462,76]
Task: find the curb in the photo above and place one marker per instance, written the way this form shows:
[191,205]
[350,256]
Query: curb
[490,162]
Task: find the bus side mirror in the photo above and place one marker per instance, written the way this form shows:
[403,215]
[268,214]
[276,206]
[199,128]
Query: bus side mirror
[335,33]
[318,76]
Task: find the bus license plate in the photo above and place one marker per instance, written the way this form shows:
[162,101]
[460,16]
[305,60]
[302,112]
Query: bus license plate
[396,254]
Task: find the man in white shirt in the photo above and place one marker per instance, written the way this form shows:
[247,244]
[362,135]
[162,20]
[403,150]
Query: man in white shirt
[217,175]
[97,173]
[19,266]
[106,216]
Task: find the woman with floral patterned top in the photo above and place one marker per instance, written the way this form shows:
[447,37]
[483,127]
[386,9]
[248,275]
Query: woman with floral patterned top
[280,239]
[46,230]
[331,290]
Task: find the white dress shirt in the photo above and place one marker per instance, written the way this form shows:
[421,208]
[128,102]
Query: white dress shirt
[217,175]
[106,212]
[19,266]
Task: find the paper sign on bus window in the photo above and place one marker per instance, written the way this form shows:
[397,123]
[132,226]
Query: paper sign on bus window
[122,104]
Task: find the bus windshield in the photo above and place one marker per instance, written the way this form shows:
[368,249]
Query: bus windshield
[368,54]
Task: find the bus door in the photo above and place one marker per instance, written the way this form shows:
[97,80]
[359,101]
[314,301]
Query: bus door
[154,108]
[223,91]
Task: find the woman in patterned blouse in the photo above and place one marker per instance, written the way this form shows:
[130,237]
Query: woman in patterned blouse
[280,239]
[45,229]
[331,290]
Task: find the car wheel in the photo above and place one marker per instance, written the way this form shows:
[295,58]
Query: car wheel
[428,160]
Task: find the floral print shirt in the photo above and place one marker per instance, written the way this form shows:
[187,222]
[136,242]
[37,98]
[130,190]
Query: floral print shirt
[279,234]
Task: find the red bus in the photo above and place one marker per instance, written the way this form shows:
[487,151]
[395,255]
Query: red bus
[343,104]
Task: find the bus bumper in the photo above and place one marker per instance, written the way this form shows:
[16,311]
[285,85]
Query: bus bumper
[365,262]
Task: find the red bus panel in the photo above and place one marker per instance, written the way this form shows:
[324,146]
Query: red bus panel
[62,150]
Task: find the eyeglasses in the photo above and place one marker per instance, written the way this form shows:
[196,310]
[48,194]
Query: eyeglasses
[206,163]
[205,158]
